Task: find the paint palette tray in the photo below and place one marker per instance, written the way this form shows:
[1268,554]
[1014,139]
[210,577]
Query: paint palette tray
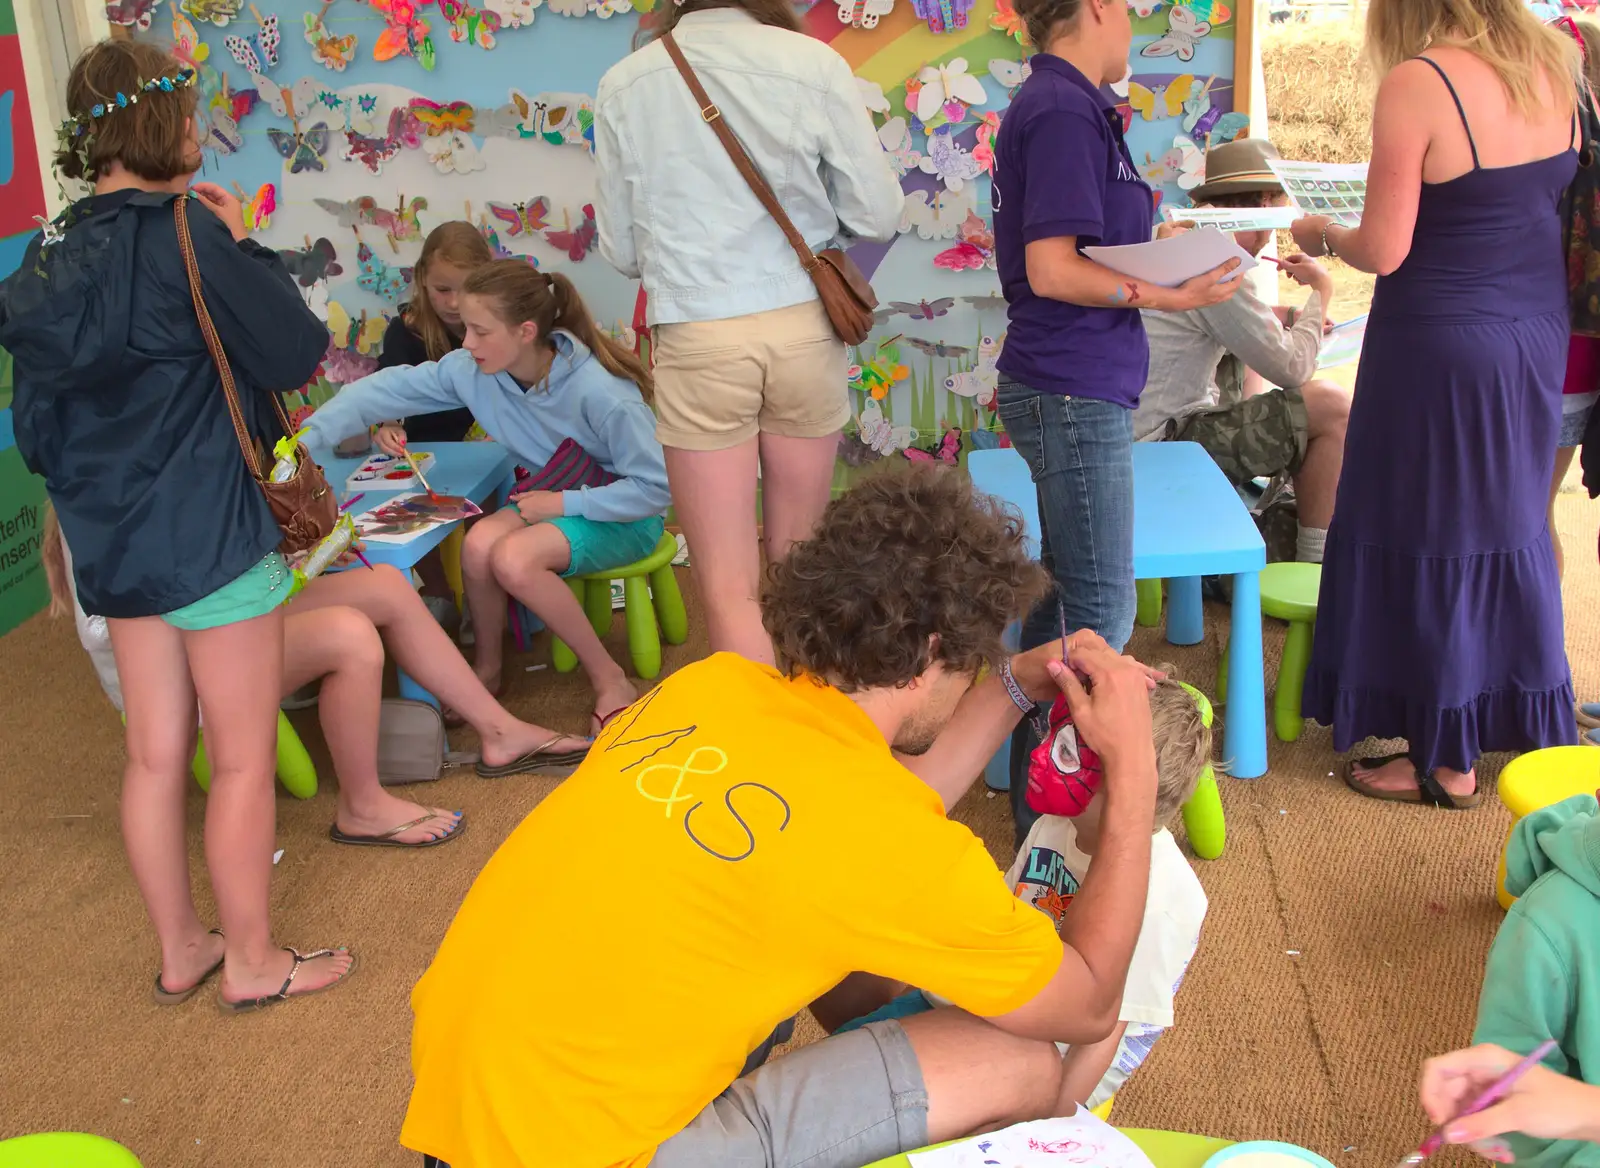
[385,472]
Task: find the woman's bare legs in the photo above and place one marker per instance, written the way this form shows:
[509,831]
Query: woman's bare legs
[426,652]
[714,498]
[341,646]
[1564,456]
[796,484]
[486,599]
[528,564]
[159,699]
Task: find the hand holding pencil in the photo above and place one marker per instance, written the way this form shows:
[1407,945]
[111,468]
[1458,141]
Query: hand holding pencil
[1540,1103]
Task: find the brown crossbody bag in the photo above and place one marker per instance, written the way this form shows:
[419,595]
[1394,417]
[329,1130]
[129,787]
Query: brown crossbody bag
[304,505]
[846,295]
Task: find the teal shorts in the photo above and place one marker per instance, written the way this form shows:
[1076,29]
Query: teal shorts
[256,593]
[597,546]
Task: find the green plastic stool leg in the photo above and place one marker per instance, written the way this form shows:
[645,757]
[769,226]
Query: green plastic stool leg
[1286,716]
[644,639]
[296,771]
[201,766]
[596,597]
[1222,676]
[563,658]
[1148,611]
[1202,818]
[670,612]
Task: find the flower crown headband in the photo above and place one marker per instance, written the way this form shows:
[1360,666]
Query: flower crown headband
[76,133]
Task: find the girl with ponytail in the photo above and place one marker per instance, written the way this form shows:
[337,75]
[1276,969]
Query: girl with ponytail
[547,384]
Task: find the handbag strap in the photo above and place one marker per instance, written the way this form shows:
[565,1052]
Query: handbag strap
[213,343]
[712,116]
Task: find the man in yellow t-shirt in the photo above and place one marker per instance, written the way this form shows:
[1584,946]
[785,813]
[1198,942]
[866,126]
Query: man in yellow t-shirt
[745,841]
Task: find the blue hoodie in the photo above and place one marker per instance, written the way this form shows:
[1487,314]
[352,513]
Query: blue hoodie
[580,399]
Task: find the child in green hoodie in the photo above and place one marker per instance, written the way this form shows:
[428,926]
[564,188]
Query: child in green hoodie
[1543,974]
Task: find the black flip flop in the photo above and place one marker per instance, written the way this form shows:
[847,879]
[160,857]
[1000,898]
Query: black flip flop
[166,997]
[386,839]
[540,758]
[1429,790]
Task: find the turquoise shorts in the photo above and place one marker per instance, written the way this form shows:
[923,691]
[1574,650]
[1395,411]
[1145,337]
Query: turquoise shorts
[256,593]
[597,546]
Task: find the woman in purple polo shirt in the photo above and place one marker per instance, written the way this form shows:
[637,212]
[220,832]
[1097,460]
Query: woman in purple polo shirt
[1075,357]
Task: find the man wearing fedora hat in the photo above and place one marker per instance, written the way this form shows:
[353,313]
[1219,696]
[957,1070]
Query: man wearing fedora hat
[1285,421]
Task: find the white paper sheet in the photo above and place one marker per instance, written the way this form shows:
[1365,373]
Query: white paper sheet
[1169,262]
[1233,218]
[372,526]
[1324,188]
[1343,344]
[1083,1141]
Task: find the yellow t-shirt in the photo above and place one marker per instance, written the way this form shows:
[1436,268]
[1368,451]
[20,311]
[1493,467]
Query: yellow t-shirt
[734,845]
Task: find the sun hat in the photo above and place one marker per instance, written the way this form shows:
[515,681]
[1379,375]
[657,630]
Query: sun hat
[1238,168]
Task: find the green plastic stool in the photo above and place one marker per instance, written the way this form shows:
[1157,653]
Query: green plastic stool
[1147,596]
[1202,814]
[1288,592]
[652,606]
[60,1149]
[296,771]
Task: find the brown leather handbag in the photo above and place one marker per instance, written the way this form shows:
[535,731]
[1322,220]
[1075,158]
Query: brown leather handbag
[304,505]
[846,295]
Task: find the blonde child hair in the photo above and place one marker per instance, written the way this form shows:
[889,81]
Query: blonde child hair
[459,244]
[1183,745]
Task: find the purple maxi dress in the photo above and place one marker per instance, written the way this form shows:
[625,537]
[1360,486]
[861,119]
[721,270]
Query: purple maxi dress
[1439,619]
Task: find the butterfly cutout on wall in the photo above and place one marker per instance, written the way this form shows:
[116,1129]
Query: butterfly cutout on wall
[974,250]
[561,119]
[988,130]
[219,132]
[943,15]
[405,34]
[1010,74]
[287,101]
[444,118]
[257,52]
[981,381]
[876,432]
[937,348]
[139,14]
[947,89]
[341,366]
[469,25]
[384,280]
[500,250]
[454,152]
[1184,31]
[1160,101]
[936,214]
[569,7]
[372,152]
[186,43]
[864,13]
[217,12]
[400,225]
[954,166]
[872,96]
[361,334]
[1182,164]
[522,218]
[947,452]
[1230,127]
[1199,112]
[877,376]
[895,137]
[1005,19]
[327,50]
[258,209]
[317,261]
[303,149]
[922,309]
[1145,8]
[986,302]
[576,242]
[513,13]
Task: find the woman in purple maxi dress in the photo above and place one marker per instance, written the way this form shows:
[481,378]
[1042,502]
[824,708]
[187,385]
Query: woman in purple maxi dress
[1439,620]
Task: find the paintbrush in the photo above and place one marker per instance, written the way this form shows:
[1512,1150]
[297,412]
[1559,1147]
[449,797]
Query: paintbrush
[1491,1095]
[416,469]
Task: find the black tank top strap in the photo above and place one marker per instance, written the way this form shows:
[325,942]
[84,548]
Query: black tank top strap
[1460,109]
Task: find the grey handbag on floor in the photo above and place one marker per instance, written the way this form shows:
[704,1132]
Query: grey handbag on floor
[412,747]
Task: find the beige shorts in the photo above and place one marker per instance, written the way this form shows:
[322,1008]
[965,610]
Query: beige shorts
[721,382]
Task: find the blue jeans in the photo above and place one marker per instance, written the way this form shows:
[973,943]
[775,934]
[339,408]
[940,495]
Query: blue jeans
[1080,451]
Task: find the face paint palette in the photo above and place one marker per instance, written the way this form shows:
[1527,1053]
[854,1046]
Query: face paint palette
[385,472]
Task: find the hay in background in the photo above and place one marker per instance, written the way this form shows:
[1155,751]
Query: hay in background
[1319,91]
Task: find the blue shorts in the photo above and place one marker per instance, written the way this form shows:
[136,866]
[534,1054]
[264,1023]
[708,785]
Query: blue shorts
[909,1003]
[597,546]
[255,593]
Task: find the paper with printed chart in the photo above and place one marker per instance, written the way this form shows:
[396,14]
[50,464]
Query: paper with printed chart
[1169,262]
[1081,1141]
[1343,343]
[1337,190]
[1233,218]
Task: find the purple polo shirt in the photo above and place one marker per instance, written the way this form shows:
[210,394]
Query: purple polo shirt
[1062,168]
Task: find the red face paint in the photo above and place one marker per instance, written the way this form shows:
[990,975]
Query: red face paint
[1064,772]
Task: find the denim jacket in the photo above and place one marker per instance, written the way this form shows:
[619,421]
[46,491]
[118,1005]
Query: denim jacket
[672,208]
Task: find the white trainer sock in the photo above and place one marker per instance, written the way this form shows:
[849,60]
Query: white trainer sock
[1308,544]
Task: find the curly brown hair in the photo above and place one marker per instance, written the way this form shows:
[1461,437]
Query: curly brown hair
[908,568]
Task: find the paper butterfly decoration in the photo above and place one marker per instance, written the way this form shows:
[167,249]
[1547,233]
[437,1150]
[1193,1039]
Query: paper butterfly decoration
[442,119]
[258,210]
[561,119]
[316,298]
[400,225]
[878,434]
[469,25]
[895,136]
[935,215]
[1005,19]
[937,348]
[329,51]
[360,334]
[139,14]
[569,7]
[946,86]
[943,15]
[949,161]
[522,218]
[258,52]
[303,150]
[864,13]
[317,262]
[980,382]
[1187,163]
[501,251]
[381,279]
[877,377]
[922,309]
[372,152]
[1184,30]
[1145,7]
[220,132]
[453,152]
[988,128]
[1161,101]
[513,13]
[974,250]
[872,96]
[288,102]
[1199,114]
[988,302]
[948,450]
[406,34]
[1230,127]
[1010,74]
[341,366]
[186,43]
[218,12]
[606,9]
[576,242]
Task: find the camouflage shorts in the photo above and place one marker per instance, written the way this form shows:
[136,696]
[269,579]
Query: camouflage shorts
[1258,437]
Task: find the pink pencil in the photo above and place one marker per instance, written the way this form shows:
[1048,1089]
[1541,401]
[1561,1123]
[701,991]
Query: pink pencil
[362,558]
[353,500]
[1495,1092]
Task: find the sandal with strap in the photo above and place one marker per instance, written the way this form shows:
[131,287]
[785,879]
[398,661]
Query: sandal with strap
[166,997]
[386,839]
[540,758]
[1428,790]
[284,993]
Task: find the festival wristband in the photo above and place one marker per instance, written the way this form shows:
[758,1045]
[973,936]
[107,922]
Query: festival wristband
[1018,698]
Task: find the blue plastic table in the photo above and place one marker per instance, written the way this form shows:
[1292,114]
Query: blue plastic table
[1188,522]
[475,470]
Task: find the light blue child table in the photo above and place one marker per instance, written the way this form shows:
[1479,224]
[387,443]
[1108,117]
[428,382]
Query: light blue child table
[475,470]
[1188,522]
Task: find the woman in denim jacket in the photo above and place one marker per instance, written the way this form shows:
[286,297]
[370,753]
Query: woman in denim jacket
[748,371]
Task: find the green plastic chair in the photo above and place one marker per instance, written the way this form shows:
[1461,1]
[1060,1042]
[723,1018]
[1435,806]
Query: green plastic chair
[652,606]
[61,1149]
[296,771]
[1202,814]
[1165,1149]
[1288,592]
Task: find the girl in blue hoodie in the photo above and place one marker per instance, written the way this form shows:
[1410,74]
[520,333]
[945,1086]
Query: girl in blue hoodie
[536,373]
